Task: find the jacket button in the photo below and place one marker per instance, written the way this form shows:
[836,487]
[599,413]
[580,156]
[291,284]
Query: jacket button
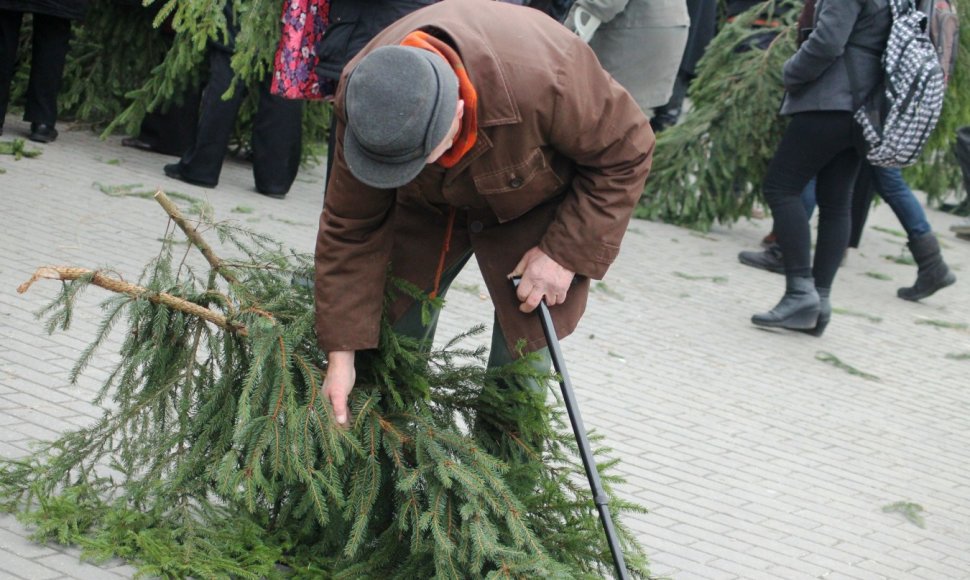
[515,182]
[476,227]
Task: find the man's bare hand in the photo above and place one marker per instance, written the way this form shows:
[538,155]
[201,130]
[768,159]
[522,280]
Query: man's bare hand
[339,381]
[542,277]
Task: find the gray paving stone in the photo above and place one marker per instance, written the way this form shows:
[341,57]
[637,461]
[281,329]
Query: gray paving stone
[17,567]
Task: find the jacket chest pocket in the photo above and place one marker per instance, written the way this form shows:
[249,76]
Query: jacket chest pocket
[514,190]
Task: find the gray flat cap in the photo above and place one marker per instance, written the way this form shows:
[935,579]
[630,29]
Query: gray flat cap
[400,104]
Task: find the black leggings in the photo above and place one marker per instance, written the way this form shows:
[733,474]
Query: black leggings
[822,144]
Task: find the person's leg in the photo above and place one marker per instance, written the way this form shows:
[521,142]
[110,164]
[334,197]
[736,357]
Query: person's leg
[277,142]
[666,116]
[201,164]
[10,22]
[809,144]
[835,188]
[772,258]
[932,272]
[834,193]
[51,38]
[412,322]
[795,163]
[891,186]
[331,148]
[171,130]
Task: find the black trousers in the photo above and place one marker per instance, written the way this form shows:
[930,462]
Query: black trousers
[171,131]
[823,144]
[49,43]
[276,139]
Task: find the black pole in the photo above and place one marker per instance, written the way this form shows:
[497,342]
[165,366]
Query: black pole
[579,430]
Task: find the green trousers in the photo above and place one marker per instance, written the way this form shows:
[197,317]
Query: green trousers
[499,354]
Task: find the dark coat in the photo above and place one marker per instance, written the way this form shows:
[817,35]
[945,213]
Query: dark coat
[352,24]
[561,158]
[70,9]
[840,62]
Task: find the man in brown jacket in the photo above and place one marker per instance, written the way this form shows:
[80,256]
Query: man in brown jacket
[473,127]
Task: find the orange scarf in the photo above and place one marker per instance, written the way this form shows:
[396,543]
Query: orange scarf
[469,122]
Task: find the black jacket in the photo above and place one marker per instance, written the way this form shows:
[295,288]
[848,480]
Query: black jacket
[353,23]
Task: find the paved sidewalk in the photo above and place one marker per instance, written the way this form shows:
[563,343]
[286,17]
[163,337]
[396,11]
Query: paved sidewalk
[755,458]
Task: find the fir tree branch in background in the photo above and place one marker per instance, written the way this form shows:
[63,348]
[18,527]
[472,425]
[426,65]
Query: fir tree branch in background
[938,172]
[709,167]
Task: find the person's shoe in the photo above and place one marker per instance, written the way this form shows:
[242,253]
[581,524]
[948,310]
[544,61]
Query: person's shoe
[42,133]
[933,274]
[772,259]
[136,143]
[275,194]
[174,170]
[769,240]
[824,312]
[798,309]
[662,122]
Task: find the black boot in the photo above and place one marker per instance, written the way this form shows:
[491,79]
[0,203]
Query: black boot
[933,273]
[824,312]
[772,259]
[798,309]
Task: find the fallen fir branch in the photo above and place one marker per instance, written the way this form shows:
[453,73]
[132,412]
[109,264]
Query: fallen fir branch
[715,279]
[18,148]
[835,361]
[962,326]
[903,258]
[847,312]
[909,510]
[890,231]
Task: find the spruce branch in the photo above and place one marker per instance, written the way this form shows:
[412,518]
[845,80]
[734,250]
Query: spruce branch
[66,273]
[194,237]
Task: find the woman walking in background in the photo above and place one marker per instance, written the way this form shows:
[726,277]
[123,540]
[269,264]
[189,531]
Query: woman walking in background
[826,80]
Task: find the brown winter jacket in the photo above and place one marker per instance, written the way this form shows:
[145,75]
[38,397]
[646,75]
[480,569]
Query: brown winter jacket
[561,159]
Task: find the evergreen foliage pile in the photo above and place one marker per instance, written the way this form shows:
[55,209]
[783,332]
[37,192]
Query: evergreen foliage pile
[710,166]
[218,455]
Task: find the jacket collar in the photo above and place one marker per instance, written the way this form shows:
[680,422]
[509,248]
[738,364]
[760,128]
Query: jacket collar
[496,103]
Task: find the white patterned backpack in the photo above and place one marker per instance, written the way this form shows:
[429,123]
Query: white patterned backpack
[899,116]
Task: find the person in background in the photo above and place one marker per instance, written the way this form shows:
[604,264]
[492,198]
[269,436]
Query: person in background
[703,25]
[49,44]
[639,42]
[169,130]
[826,80]
[277,127]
